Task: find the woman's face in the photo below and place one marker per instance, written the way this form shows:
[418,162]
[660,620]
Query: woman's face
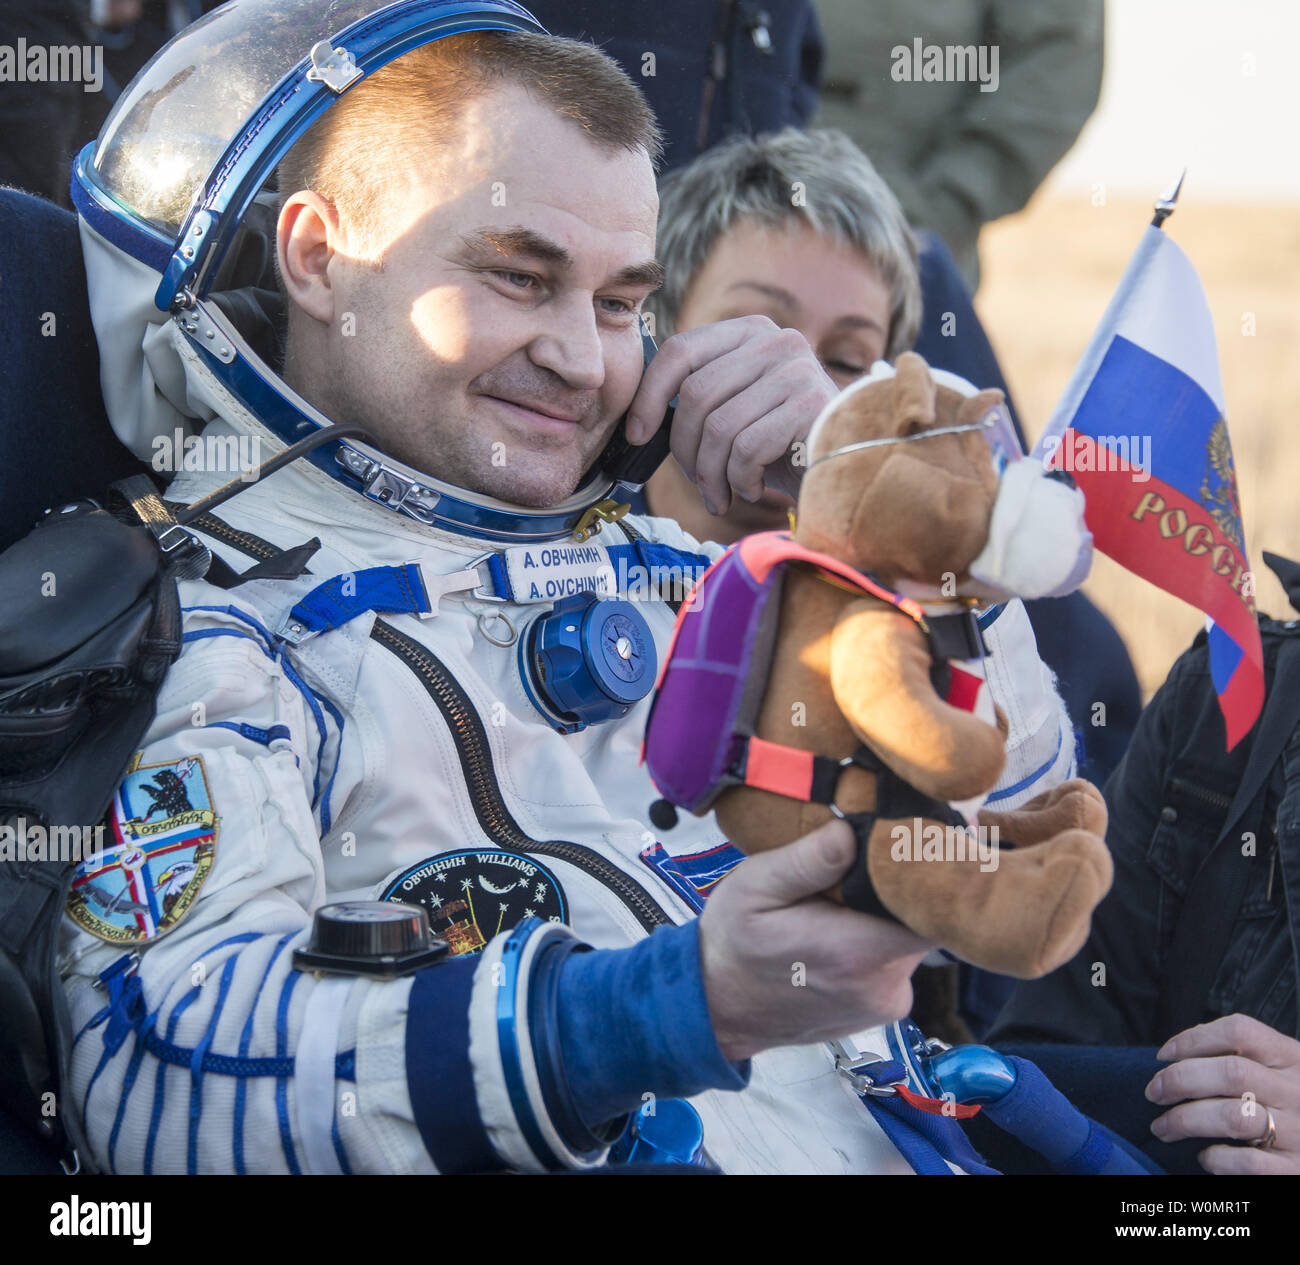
[823,287]
[826,289]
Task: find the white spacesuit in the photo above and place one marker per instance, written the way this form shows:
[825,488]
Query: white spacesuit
[394,755]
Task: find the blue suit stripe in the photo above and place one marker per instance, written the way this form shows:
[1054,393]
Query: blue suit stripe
[439,1074]
[236,613]
[318,715]
[160,1081]
[1007,791]
[160,1078]
[245,1040]
[268,644]
[282,1082]
[202,634]
[196,1063]
[262,736]
[104,1060]
[128,1084]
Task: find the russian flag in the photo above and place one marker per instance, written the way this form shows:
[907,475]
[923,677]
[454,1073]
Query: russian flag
[1141,428]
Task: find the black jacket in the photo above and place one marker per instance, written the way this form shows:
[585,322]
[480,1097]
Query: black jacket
[718,66]
[1168,801]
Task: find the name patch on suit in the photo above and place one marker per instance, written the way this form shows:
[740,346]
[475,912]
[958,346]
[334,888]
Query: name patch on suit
[473,895]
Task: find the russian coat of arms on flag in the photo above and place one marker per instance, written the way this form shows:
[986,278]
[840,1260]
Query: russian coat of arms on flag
[163,836]
[1142,430]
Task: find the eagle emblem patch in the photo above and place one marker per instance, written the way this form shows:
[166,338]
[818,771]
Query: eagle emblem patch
[162,837]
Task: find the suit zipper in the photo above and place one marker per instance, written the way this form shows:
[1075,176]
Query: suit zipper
[245,542]
[485,791]
[474,752]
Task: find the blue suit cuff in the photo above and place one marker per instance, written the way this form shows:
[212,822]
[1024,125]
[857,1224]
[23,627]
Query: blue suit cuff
[636,1021]
[439,1074]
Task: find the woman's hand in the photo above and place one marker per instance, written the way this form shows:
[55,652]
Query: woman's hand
[1235,1078]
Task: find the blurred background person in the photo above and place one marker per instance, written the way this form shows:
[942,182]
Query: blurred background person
[800,227]
[1192,958]
[709,68]
[44,124]
[959,152]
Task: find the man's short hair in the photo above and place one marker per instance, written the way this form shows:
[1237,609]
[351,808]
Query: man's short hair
[351,154]
[820,177]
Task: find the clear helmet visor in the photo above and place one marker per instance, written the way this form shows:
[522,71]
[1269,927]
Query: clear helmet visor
[999,432]
[181,111]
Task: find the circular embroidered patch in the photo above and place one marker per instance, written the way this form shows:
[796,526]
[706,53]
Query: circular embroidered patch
[162,833]
[473,895]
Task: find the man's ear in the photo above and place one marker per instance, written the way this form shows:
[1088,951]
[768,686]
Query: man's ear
[307,239]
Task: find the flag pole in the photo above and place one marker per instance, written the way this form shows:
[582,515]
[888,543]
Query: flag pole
[1091,358]
[1092,354]
[1166,204]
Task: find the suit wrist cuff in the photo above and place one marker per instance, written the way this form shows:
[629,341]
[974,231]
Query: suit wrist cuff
[635,1022]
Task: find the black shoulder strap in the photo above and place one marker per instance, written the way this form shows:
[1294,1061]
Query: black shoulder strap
[1214,898]
[185,557]
[272,563]
[287,564]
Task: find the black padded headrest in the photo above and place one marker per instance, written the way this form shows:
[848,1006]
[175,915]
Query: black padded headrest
[54,433]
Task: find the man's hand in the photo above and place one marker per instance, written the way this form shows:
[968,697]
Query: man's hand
[785,966]
[747,392]
[1228,1076]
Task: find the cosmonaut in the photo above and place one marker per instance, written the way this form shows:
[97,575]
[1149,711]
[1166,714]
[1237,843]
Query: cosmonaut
[442,704]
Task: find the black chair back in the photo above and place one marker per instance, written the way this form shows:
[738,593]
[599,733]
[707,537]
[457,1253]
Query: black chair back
[55,441]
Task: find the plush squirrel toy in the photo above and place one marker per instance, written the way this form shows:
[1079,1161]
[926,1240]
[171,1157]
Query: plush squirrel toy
[838,670]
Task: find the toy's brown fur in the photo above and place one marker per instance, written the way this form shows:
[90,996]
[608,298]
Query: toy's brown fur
[850,670]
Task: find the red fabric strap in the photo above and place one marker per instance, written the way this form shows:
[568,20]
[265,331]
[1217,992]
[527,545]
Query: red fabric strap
[938,1106]
[781,770]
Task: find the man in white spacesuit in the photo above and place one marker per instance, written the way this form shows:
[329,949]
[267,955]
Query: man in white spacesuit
[464,272]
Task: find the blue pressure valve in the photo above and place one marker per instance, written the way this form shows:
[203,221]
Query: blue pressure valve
[667,1132]
[587,660]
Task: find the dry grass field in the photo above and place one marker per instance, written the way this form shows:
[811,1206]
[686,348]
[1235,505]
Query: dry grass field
[1047,275]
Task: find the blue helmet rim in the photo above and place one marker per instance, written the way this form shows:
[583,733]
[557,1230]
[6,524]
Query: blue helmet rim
[111,219]
[290,419]
[252,155]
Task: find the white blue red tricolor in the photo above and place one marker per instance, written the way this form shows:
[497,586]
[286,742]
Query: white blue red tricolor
[1141,428]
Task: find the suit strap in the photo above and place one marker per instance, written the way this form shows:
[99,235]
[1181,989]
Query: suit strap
[186,556]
